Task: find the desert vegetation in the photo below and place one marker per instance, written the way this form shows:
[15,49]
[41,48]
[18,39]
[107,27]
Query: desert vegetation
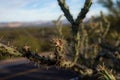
[86,49]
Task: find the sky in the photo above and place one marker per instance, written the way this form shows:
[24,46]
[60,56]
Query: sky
[44,10]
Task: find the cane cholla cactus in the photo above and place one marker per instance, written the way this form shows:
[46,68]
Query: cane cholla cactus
[104,74]
[76,28]
[79,45]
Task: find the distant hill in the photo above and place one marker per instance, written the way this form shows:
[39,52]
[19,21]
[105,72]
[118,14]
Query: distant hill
[29,24]
[26,24]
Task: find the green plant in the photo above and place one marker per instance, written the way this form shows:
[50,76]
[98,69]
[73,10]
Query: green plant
[104,73]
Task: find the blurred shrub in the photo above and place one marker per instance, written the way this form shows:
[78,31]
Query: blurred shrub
[26,40]
[37,38]
[113,6]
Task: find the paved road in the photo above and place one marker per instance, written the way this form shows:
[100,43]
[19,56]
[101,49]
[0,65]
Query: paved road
[21,70]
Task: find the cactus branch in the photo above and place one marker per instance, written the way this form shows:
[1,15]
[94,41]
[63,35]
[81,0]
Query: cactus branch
[48,60]
[83,11]
[8,50]
[66,11]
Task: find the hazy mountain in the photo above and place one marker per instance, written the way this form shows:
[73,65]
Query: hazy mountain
[29,24]
[26,24]
[36,23]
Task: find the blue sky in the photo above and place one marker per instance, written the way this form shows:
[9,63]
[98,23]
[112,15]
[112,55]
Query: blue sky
[45,10]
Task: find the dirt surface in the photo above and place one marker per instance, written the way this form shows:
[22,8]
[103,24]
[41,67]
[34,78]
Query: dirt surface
[20,69]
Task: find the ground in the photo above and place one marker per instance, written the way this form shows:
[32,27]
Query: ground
[20,69]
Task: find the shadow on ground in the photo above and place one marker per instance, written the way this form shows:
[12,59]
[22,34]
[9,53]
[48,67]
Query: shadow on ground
[27,71]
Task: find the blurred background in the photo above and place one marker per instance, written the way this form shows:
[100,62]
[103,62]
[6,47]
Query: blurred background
[30,22]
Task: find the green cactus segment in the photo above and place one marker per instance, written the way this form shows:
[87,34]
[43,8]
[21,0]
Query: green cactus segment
[66,11]
[5,50]
[104,73]
[84,11]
